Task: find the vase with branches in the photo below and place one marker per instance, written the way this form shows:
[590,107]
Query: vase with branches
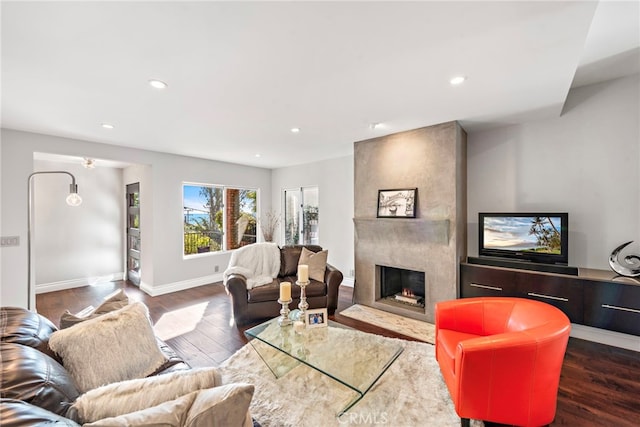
[269,225]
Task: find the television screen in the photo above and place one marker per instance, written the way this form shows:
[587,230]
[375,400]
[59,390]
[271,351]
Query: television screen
[539,237]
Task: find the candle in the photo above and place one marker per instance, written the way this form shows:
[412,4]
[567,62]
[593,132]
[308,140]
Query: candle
[285,291]
[303,273]
[298,326]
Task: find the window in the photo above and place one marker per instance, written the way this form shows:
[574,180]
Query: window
[301,217]
[218,218]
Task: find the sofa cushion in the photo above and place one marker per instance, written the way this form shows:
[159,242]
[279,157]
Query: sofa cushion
[17,413]
[271,292]
[113,347]
[289,257]
[317,262]
[134,395]
[111,302]
[21,326]
[34,377]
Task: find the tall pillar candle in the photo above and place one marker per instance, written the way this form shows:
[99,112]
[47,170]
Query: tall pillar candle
[303,273]
[285,291]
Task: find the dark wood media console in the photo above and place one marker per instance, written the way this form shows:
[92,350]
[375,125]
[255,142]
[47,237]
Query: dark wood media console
[594,298]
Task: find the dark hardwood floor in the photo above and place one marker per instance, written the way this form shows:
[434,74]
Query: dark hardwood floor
[599,385]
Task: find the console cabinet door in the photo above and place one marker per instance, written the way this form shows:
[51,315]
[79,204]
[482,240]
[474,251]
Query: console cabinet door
[480,281]
[612,306]
[563,292]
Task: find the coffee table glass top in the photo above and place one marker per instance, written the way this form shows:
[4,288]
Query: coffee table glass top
[353,358]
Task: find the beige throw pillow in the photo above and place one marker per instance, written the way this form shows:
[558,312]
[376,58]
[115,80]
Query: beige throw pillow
[134,395]
[226,405]
[113,347]
[111,302]
[317,262]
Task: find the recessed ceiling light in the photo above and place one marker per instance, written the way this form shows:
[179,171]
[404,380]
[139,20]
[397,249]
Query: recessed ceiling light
[107,125]
[457,80]
[295,130]
[88,163]
[258,155]
[158,84]
[375,125]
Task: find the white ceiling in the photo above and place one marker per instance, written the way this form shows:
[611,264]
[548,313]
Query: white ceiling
[242,74]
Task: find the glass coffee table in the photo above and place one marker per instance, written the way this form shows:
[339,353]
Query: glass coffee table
[354,359]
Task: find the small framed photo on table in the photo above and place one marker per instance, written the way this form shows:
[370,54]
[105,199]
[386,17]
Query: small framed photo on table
[316,318]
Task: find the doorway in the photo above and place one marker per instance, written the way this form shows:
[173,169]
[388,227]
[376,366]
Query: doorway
[133,233]
[301,216]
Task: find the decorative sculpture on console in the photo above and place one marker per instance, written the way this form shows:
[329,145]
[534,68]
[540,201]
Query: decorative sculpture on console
[629,266]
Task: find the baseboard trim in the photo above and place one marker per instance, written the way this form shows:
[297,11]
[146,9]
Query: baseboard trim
[602,336]
[168,288]
[349,281]
[44,288]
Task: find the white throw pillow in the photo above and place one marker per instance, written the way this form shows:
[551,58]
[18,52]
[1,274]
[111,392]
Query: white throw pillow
[222,406]
[114,347]
[128,396]
[167,414]
[111,302]
[317,262]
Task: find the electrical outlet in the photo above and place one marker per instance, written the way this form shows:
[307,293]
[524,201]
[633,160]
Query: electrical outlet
[10,241]
[216,269]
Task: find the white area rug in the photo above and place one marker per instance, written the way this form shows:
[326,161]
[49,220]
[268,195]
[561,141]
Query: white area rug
[413,328]
[410,393]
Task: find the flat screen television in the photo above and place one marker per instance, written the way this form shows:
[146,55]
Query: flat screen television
[540,237]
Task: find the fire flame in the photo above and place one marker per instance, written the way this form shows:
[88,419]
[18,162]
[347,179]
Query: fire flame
[407,292]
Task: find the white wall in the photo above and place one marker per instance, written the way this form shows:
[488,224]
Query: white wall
[585,162]
[163,221]
[73,245]
[334,179]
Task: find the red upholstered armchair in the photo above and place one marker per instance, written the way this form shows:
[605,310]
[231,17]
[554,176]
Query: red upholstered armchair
[501,358]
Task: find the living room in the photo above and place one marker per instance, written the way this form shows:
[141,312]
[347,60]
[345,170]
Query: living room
[573,148]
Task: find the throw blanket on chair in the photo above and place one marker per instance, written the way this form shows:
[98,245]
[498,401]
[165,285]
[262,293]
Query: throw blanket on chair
[259,263]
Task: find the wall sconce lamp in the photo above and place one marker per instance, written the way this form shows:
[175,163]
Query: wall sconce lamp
[73,199]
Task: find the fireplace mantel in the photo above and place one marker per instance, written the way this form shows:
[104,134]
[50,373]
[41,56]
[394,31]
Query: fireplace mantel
[406,230]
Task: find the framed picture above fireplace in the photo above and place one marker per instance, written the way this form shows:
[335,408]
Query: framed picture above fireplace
[398,203]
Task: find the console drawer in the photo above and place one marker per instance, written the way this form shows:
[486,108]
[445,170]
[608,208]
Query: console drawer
[612,306]
[478,281]
[564,293]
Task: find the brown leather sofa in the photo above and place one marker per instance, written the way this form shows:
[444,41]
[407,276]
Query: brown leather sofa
[262,302]
[35,389]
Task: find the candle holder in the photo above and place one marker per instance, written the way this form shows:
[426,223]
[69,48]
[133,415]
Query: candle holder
[303,305]
[284,320]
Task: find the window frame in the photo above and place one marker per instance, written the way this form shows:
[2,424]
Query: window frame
[224,230]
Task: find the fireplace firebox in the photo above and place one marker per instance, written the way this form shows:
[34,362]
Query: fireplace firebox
[400,286]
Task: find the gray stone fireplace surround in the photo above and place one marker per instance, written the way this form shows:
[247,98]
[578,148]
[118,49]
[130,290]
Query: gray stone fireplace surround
[433,160]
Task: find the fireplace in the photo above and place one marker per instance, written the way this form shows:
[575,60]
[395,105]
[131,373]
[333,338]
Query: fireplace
[402,287]
[433,160]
